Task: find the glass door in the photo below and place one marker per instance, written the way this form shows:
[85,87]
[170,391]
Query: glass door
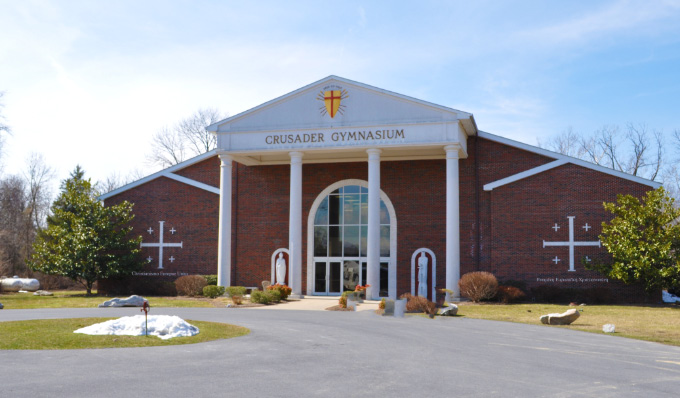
[327,277]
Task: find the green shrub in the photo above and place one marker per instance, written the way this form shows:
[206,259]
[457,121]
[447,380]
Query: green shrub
[190,285]
[343,298]
[259,297]
[274,296]
[478,286]
[235,291]
[211,279]
[213,291]
[283,290]
[382,304]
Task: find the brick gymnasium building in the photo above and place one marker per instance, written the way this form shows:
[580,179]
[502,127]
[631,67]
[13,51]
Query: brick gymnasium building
[352,184]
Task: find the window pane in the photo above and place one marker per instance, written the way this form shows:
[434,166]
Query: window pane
[351,241]
[335,209]
[320,277]
[334,278]
[384,214]
[364,209]
[351,189]
[335,242]
[363,273]
[384,279]
[384,241]
[364,190]
[321,241]
[364,234]
[321,217]
[351,208]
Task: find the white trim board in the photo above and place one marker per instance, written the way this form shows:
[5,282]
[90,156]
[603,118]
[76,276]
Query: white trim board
[524,174]
[558,156]
[169,173]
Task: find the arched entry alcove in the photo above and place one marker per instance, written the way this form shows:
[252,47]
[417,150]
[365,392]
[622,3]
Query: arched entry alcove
[336,240]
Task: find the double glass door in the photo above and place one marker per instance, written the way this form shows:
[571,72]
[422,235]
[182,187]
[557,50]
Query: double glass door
[332,276]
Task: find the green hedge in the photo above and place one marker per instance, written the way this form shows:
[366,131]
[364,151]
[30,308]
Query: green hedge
[213,291]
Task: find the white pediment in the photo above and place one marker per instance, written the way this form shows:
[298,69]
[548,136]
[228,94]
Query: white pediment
[360,106]
[336,119]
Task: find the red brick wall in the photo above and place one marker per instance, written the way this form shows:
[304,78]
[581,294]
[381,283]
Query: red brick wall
[501,231]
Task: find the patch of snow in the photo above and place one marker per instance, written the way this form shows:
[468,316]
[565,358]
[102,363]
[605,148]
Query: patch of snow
[163,326]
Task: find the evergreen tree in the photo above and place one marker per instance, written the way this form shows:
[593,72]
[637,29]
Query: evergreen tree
[643,239]
[84,240]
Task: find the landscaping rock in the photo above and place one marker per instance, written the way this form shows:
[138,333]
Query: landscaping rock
[43,293]
[389,308]
[451,310]
[609,328]
[669,298]
[1,306]
[565,318]
[132,301]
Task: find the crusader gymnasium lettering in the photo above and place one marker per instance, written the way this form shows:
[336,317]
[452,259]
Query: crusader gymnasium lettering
[337,136]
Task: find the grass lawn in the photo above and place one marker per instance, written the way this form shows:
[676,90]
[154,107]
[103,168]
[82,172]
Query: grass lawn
[78,299]
[57,334]
[658,323]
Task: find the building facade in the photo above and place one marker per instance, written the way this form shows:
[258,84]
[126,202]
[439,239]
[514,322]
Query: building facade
[351,185]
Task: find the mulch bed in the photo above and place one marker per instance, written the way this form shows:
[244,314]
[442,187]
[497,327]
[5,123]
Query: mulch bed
[338,308]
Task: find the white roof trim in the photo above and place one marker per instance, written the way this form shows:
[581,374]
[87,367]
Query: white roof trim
[568,159]
[524,174]
[169,173]
[193,183]
[215,126]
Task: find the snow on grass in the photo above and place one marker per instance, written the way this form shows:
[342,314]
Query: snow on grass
[163,326]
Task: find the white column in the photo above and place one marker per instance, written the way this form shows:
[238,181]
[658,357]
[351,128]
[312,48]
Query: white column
[452,222]
[373,238]
[224,236]
[295,224]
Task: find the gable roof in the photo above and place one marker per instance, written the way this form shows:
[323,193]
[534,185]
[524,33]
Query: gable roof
[169,173]
[559,160]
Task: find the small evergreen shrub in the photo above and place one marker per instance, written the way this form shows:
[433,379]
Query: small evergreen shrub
[235,291]
[213,291]
[190,285]
[509,294]
[259,297]
[284,291]
[478,286]
[274,295]
[211,279]
[382,304]
[343,298]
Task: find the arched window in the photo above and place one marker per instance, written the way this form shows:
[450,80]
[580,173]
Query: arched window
[340,237]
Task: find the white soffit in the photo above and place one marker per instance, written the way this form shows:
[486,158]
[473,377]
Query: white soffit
[560,160]
[169,173]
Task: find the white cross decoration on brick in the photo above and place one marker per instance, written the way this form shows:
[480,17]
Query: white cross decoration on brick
[588,259]
[586,227]
[173,230]
[172,259]
[556,227]
[160,245]
[556,260]
[150,230]
[149,259]
[571,244]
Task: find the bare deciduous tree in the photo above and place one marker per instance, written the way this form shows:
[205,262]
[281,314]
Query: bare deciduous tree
[38,176]
[187,138]
[14,224]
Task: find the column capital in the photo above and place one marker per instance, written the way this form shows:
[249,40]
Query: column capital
[453,151]
[225,157]
[296,157]
[373,153]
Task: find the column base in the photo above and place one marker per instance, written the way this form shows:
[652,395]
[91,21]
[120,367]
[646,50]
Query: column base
[296,296]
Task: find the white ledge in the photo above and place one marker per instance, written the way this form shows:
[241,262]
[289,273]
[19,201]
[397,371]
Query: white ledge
[527,173]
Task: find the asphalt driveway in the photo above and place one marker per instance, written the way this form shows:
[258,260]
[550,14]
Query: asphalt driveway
[347,354]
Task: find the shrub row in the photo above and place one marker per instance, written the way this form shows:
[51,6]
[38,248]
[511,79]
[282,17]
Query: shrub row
[265,296]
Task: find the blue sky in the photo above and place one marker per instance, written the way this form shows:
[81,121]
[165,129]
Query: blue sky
[89,82]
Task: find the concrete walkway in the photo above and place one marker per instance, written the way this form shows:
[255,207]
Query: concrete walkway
[316,303]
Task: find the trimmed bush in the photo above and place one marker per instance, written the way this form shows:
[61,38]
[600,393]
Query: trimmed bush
[274,295]
[213,291]
[509,294]
[343,298]
[259,297]
[235,291]
[211,279]
[478,286]
[190,285]
[419,304]
[382,304]
[237,299]
[284,291]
